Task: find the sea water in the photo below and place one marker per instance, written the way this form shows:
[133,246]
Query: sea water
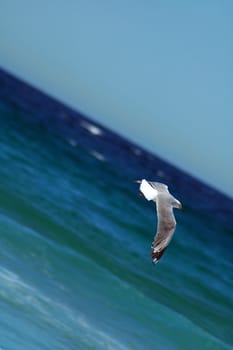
[75,237]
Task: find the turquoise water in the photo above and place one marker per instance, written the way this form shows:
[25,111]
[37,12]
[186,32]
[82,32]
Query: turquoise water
[75,267]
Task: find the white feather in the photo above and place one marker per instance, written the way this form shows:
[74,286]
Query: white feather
[148,191]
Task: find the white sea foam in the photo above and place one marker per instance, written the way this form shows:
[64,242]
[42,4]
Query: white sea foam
[53,313]
[93,129]
[98,155]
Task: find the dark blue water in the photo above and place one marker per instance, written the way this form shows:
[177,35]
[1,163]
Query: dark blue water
[75,268]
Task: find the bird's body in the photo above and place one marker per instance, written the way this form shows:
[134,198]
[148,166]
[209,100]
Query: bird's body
[165,203]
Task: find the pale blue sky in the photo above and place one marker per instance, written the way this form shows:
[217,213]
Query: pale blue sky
[158,72]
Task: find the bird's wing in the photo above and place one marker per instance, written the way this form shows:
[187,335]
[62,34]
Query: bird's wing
[148,191]
[165,228]
[158,186]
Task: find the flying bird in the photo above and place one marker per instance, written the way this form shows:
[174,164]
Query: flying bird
[165,202]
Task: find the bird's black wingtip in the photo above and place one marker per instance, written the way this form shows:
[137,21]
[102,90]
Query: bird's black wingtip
[156,255]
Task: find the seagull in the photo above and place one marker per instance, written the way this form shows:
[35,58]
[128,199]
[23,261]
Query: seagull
[165,202]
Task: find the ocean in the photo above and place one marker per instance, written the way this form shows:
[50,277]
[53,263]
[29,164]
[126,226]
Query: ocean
[75,237]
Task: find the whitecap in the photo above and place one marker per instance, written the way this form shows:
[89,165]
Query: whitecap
[93,129]
[98,155]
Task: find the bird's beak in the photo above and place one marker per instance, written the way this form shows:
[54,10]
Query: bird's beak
[137,181]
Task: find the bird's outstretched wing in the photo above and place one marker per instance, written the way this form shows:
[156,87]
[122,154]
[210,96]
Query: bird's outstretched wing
[159,186]
[159,193]
[151,189]
[165,227]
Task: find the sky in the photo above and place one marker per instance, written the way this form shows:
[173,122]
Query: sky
[159,73]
